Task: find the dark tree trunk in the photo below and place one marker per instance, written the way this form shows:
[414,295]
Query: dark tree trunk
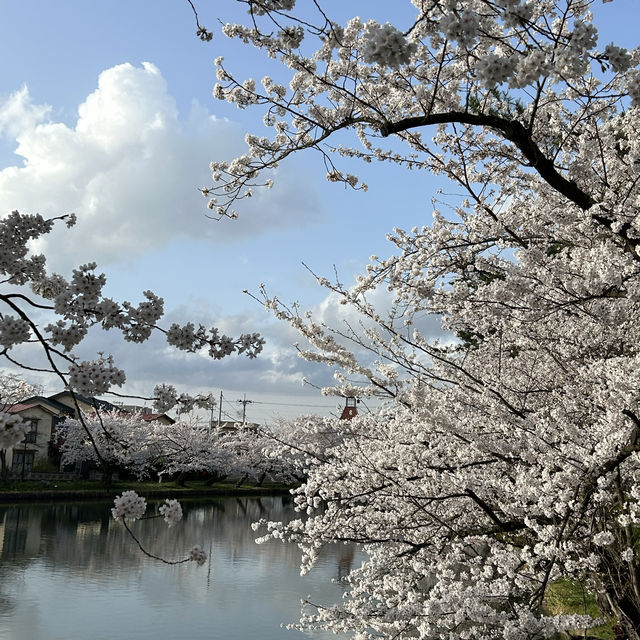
[619,602]
[215,477]
[4,472]
[628,625]
[107,474]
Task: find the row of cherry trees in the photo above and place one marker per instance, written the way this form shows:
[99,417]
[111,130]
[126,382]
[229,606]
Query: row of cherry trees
[120,441]
[116,440]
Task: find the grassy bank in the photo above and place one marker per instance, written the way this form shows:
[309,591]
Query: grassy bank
[94,489]
[567,597]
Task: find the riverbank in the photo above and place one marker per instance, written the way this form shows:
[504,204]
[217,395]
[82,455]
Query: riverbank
[33,491]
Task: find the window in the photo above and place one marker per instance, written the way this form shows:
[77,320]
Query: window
[22,460]
[32,432]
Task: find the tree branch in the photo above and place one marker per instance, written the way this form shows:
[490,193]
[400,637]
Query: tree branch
[513,131]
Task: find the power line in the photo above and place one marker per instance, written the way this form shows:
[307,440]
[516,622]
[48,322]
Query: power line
[244,403]
[290,404]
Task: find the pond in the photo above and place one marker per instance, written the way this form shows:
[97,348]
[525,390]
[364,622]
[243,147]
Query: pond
[70,572]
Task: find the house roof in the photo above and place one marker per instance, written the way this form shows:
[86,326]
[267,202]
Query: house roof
[54,406]
[93,402]
[45,403]
[21,406]
[150,417]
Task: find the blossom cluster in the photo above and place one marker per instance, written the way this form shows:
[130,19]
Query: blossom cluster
[198,555]
[12,430]
[618,58]
[494,69]
[16,231]
[13,331]
[261,7]
[94,378]
[462,28]
[188,338]
[165,397]
[129,507]
[516,12]
[386,45]
[171,511]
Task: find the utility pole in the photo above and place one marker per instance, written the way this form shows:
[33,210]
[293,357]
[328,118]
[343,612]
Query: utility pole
[220,412]
[244,402]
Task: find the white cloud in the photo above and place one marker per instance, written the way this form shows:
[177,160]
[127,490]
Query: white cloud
[130,168]
[18,114]
[344,317]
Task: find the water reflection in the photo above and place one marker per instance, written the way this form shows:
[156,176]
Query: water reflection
[70,571]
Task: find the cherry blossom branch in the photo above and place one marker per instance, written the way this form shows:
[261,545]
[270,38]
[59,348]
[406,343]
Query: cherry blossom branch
[148,553]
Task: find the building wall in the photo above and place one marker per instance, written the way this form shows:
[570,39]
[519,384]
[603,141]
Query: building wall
[40,446]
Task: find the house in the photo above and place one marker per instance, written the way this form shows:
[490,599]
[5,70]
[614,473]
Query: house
[162,418]
[42,415]
[231,426]
[147,414]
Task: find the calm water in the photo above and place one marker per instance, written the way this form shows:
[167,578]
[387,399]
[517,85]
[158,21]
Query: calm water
[69,572]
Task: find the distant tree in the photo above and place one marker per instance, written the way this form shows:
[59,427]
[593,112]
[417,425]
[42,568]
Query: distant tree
[285,451]
[507,458]
[13,389]
[109,439]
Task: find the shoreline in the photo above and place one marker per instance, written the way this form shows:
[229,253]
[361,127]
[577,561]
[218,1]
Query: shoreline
[108,493]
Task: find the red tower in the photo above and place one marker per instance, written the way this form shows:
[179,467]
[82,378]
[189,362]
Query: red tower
[350,410]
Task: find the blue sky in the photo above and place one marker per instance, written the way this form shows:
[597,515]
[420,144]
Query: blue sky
[133,73]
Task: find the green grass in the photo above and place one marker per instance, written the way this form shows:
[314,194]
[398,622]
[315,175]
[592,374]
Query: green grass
[567,596]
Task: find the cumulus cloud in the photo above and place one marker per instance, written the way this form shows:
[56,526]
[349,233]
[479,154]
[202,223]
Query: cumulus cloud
[130,168]
[18,114]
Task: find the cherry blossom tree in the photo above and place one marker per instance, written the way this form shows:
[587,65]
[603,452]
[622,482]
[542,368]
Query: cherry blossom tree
[189,446]
[13,389]
[506,458]
[287,450]
[121,440]
[110,439]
